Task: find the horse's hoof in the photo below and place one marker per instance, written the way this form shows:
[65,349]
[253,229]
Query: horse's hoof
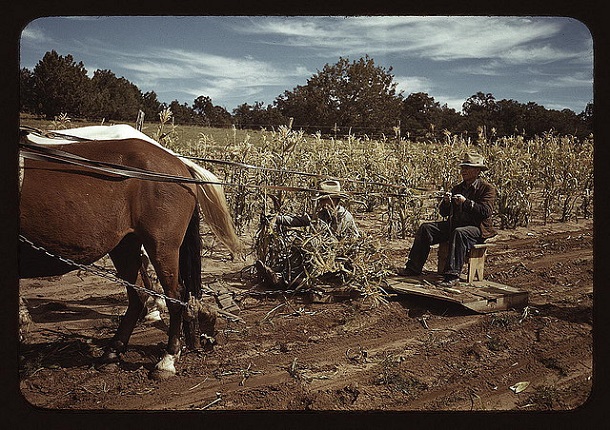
[159,375]
[165,368]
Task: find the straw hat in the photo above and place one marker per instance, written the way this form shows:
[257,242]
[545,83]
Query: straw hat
[330,189]
[472,159]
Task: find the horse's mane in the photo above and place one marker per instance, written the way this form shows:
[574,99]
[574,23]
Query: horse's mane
[211,197]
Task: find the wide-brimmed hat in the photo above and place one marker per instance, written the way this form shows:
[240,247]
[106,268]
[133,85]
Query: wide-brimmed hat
[330,189]
[472,159]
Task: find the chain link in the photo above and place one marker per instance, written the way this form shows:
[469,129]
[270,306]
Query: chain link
[110,275]
[102,272]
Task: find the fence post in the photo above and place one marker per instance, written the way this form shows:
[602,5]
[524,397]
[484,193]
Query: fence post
[398,131]
[140,120]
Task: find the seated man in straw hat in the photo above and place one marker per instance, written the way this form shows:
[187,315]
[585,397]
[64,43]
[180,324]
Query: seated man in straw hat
[468,206]
[313,253]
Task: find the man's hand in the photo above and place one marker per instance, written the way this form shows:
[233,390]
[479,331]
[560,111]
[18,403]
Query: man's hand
[459,199]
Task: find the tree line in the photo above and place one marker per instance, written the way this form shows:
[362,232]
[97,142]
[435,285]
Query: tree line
[357,97]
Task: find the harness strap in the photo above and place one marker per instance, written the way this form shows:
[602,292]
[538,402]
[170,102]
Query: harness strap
[44,153]
[296,172]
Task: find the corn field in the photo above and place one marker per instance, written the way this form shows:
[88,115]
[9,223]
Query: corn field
[549,177]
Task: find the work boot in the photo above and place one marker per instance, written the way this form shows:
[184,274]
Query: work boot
[407,271]
[449,281]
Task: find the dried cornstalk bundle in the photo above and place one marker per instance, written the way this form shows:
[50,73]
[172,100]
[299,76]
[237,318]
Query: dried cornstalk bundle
[309,257]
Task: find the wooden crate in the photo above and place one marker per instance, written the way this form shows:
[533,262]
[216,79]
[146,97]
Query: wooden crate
[475,260]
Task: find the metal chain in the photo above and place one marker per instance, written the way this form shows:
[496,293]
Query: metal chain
[102,272]
[110,275]
[278,292]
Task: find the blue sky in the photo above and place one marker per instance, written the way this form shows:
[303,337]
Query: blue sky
[235,60]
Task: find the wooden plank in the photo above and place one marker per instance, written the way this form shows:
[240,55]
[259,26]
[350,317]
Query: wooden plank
[224,298]
[480,296]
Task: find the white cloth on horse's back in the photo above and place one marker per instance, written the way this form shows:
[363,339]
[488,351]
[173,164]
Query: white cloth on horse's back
[93,132]
[117,132]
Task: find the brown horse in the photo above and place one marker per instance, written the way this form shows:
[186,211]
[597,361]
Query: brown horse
[82,213]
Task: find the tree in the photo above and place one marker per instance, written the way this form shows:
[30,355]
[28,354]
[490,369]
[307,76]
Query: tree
[61,86]
[203,108]
[205,113]
[449,119]
[257,116]
[219,117]
[586,118]
[183,114]
[27,100]
[566,121]
[151,106]
[479,110]
[536,120]
[509,117]
[479,104]
[359,95]
[420,113]
[114,98]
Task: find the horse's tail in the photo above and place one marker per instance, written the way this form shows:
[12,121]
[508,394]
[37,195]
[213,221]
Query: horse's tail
[214,206]
[190,258]
[190,276]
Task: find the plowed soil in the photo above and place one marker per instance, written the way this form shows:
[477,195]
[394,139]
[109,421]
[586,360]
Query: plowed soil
[411,354]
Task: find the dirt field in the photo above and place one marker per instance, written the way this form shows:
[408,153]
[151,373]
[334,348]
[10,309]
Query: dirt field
[413,354]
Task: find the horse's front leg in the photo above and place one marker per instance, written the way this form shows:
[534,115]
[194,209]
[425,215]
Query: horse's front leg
[119,341]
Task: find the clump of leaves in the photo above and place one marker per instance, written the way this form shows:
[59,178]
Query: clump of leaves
[394,377]
[61,122]
[544,398]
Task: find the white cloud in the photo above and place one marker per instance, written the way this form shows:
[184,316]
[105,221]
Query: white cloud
[200,73]
[566,81]
[170,64]
[488,68]
[31,34]
[514,40]
[538,55]
[413,84]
